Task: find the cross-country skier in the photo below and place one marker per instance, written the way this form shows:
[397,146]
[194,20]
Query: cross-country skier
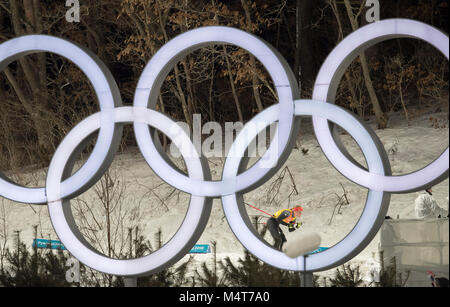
[286,217]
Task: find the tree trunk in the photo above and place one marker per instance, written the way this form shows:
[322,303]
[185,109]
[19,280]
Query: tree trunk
[381,117]
[347,76]
[179,90]
[182,98]
[211,86]
[259,104]
[304,66]
[233,89]
[187,64]
[163,110]
[36,78]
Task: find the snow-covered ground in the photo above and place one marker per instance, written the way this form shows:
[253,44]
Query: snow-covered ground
[151,204]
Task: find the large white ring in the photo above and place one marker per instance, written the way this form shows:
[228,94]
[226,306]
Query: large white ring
[64,223]
[325,89]
[377,203]
[108,96]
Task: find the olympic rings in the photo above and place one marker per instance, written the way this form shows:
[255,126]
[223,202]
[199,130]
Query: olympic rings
[61,186]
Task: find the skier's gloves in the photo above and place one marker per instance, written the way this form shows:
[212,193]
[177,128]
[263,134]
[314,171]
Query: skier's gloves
[297,225]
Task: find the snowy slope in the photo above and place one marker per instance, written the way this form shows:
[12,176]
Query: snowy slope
[151,204]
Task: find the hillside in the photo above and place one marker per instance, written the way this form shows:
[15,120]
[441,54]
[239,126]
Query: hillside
[150,204]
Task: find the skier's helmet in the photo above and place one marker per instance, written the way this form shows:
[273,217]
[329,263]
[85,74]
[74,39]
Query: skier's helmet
[297,210]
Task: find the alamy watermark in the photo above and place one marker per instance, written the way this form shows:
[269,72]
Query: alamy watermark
[73,273]
[215,140]
[73,13]
[373,13]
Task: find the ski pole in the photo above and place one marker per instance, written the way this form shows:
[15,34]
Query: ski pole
[258,209]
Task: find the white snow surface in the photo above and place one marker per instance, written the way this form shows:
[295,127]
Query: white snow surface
[410,146]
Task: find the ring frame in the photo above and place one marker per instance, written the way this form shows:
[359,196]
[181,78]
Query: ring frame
[377,203]
[325,89]
[63,221]
[108,95]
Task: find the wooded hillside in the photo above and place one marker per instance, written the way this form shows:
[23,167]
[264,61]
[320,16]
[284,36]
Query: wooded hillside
[43,96]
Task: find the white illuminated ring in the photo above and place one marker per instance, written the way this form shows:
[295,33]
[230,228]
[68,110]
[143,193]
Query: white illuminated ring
[63,221]
[162,63]
[375,210]
[108,96]
[325,89]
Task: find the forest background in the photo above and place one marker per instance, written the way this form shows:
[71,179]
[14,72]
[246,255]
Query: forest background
[223,83]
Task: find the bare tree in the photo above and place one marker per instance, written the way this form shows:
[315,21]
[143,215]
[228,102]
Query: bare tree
[304,66]
[36,103]
[105,219]
[379,114]
[3,233]
[252,59]
[233,87]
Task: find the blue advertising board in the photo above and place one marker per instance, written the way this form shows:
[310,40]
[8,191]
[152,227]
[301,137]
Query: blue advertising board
[320,249]
[55,244]
[201,249]
[50,244]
